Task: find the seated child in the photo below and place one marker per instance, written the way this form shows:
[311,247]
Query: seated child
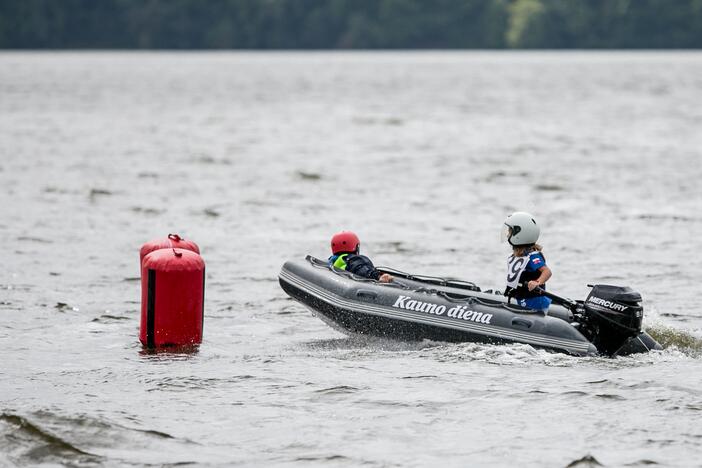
[345,247]
[526,268]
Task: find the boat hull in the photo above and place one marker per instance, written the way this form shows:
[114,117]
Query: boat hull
[355,305]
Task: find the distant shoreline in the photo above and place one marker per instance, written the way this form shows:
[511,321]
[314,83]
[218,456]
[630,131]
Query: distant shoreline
[351,25]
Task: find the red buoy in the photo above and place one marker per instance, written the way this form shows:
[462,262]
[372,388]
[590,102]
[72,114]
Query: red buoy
[169,242]
[172,298]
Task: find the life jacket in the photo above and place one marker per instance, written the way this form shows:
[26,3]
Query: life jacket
[355,263]
[339,262]
[518,277]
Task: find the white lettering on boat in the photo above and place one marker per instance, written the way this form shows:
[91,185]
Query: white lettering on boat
[458,312]
[462,312]
[607,304]
[419,306]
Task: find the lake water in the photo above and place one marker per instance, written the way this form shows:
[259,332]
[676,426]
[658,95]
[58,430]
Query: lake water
[261,157]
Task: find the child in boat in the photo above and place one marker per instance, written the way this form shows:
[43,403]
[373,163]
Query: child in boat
[526,268]
[345,247]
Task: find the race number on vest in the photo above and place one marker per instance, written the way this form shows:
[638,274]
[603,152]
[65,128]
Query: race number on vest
[515,267]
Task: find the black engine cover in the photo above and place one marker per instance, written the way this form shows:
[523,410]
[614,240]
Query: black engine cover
[616,313]
[615,293]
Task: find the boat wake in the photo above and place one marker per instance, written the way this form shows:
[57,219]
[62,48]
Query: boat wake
[672,338]
[677,344]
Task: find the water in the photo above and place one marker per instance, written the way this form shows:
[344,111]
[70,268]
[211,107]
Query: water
[260,157]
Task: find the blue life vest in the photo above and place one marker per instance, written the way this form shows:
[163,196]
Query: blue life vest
[520,271]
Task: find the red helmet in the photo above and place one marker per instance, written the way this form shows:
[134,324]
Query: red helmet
[344,241]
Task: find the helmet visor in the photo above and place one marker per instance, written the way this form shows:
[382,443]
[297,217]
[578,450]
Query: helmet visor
[506,233]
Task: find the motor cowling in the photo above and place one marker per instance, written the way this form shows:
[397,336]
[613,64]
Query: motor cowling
[615,313]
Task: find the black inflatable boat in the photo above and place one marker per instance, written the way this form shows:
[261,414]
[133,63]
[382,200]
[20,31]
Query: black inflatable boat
[414,307]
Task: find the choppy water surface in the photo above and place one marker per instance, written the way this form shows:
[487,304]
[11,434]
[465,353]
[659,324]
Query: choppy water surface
[260,158]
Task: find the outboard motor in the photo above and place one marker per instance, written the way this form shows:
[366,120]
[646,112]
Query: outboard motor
[614,315]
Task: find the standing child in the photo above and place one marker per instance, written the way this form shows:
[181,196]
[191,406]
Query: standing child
[345,247]
[526,269]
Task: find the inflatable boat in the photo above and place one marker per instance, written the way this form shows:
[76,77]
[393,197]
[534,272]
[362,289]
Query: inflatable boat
[415,307]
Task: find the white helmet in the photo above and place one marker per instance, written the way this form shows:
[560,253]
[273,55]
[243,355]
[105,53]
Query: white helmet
[520,229]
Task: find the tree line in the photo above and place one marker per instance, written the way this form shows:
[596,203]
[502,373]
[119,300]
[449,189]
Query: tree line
[350,24]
